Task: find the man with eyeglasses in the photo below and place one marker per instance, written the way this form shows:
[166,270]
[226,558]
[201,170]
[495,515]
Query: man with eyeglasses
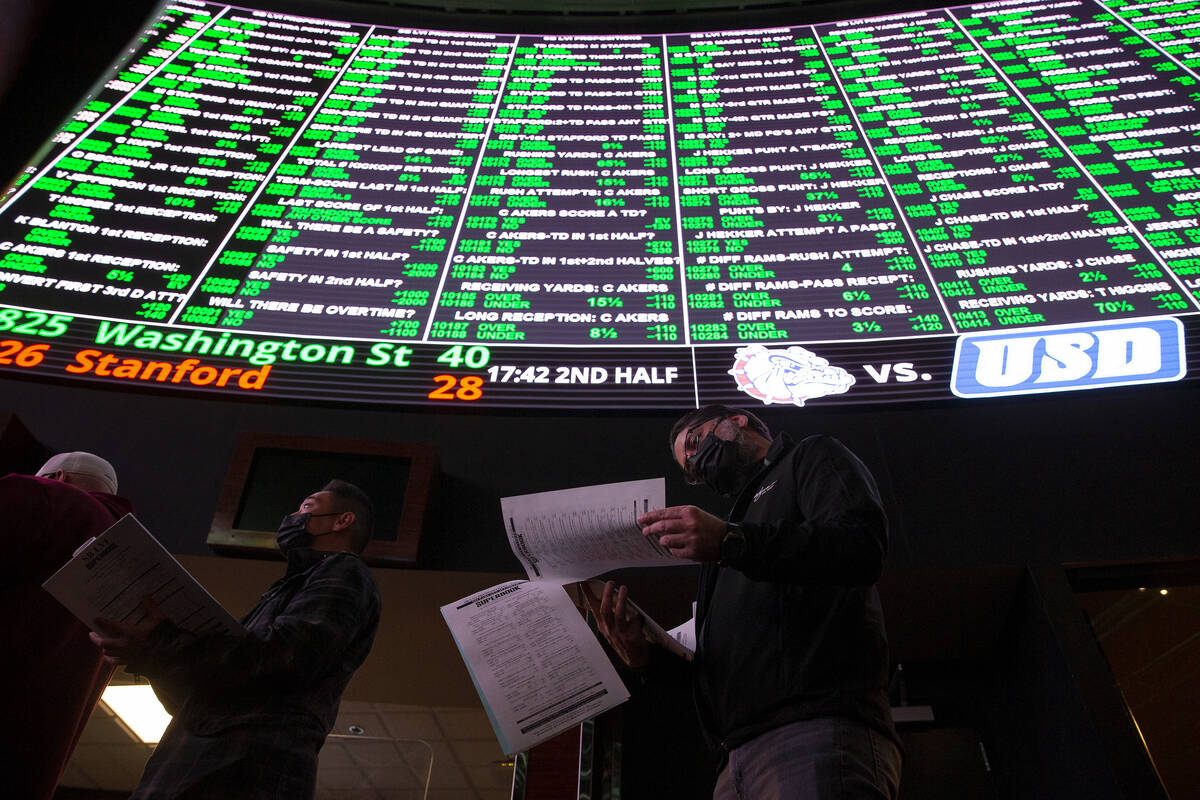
[790,673]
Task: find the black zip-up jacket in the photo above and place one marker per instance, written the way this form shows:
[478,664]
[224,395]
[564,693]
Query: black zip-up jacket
[793,629]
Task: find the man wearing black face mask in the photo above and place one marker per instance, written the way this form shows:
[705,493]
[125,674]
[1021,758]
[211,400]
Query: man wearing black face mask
[250,713]
[790,673]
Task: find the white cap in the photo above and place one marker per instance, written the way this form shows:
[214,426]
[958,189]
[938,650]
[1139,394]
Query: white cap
[82,463]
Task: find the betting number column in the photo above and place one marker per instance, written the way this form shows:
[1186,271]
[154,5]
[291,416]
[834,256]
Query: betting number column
[351,233]
[788,230]
[567,236]
[1120,95]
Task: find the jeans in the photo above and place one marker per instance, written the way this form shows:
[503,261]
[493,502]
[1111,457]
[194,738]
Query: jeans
[830,758]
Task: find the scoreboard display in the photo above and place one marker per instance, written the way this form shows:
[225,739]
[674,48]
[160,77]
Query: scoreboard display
[975,201]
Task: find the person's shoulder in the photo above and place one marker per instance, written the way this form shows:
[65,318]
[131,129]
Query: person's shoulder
[821,441]
[818,439]
[351,574]
[786,445]
[19,479]
[344,557]
[57,515]
[25,498]
[32,484]
[819,447]
[115,504]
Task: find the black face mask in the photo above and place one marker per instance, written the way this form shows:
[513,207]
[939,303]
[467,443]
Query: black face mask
[293,531]
[718,464]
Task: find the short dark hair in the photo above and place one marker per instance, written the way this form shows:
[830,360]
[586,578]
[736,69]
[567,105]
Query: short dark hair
[701,415]
[348,497]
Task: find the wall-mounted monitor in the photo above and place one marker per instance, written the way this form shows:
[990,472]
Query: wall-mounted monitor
[980,200]
[272,473]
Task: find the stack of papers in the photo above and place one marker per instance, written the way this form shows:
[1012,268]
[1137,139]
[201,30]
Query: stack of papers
[109,575]
[536,664]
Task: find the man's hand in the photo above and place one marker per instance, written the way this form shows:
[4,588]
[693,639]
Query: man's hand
[686,531]
[122,643]
[620,624]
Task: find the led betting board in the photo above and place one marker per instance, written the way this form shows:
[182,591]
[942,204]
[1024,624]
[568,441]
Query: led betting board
[975,201]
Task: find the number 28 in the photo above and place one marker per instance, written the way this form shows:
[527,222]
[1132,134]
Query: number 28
[451,387]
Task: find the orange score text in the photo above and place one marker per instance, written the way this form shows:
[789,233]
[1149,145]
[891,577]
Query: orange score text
[21,354]
[190,370]
[452,387]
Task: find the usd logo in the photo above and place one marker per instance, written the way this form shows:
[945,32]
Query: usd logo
[1061,358]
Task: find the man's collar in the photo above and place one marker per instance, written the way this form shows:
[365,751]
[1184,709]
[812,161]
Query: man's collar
[778,446]
[301,558]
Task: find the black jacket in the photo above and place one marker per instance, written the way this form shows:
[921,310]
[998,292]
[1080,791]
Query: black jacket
[793,629]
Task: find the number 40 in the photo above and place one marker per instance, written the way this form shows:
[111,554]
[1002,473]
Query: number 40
[475,356]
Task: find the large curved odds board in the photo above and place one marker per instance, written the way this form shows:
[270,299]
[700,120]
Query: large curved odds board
[977,201]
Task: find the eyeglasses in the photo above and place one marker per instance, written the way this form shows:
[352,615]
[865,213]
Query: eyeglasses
[692,439]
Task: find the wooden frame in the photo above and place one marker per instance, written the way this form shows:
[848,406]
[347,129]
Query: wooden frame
[416,507]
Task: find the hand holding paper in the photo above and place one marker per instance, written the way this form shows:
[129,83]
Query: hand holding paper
[623,623]
[110,575]
[620,621]
[122,643]
[685,531]
[574,534]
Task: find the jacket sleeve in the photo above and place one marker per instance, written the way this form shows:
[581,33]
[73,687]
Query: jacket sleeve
[308,637]
[837,531]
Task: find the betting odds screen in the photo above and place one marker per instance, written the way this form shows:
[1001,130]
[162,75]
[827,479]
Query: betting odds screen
[974,201]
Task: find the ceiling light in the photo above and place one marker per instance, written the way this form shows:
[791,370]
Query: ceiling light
[139,709]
